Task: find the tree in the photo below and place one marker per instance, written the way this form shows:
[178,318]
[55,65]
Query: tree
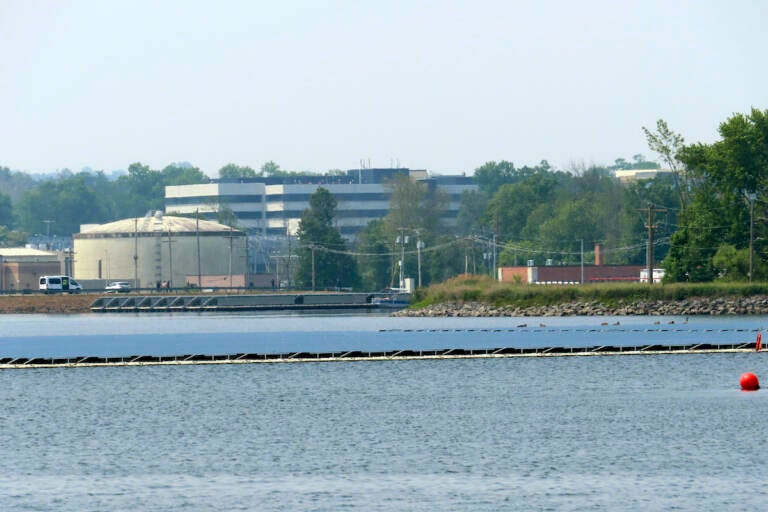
[140,191]
[233,171]
[69,201]
[270,169]
[375,261]
[447,258]
[492,175]
[6,210]
[183,174]
[10,238]
[225,215]
[471,212]
[323,260]
[511,205]
[415,207]
[668,145]
[658,192]
[14,184]
[722,177]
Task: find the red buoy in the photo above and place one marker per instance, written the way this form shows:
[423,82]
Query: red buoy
[749,382]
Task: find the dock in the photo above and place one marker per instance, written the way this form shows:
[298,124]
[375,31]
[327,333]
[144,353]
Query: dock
[356,355]
[236,302]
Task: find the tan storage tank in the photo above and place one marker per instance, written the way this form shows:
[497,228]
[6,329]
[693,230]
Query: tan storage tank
[159,250]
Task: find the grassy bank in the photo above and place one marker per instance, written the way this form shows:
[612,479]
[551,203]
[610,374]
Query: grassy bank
[473,288]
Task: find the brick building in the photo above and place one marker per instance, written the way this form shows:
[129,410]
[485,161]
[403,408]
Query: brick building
[21,267]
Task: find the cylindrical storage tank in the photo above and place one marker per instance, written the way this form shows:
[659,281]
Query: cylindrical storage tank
[158,249]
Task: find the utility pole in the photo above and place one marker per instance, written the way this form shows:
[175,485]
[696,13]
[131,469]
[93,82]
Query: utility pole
[136,252]
[312,247]
[170,259]
[650,210]
[231,241]
[197,240]
[582,260]
[419,247]
[288,266]
[494,276]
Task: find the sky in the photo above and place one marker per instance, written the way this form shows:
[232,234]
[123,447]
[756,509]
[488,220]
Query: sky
[442,85]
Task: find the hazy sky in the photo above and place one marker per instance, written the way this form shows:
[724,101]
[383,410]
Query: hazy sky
[316,85]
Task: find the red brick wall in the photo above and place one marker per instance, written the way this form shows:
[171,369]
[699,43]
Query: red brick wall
[572,274]
[512,274]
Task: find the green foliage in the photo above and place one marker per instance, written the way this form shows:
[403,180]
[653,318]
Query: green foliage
[270,169]
[67,202]
[323,249]
[492,175]
[668,145]
[483,289]
[233,171]
[225,215]
[6,210]
[471,212]
[447,258]
[176,174]
[510,206]
[14,184]
[415,207]
[722,177]
[375,260]
[9,238]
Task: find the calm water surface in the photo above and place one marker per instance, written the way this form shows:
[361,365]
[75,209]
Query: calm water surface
[669,432]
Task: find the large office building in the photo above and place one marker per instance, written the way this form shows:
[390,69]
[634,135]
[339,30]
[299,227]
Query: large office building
[273,205]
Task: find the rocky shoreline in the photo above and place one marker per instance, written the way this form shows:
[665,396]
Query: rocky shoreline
[754,305]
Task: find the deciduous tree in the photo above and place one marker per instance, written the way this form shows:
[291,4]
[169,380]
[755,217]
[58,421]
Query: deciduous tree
[323,257]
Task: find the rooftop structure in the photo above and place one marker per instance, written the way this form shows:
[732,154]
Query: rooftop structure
[626,175]
[21,267]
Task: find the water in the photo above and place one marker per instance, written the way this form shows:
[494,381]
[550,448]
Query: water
[163,335]
[667,432]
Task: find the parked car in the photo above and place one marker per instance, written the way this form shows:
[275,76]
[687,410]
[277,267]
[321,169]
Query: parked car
[118,287]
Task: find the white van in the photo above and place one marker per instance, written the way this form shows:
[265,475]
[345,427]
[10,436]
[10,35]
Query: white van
[51,284]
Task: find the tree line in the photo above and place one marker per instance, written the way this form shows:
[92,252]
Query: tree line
[706,216]
[58,205]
